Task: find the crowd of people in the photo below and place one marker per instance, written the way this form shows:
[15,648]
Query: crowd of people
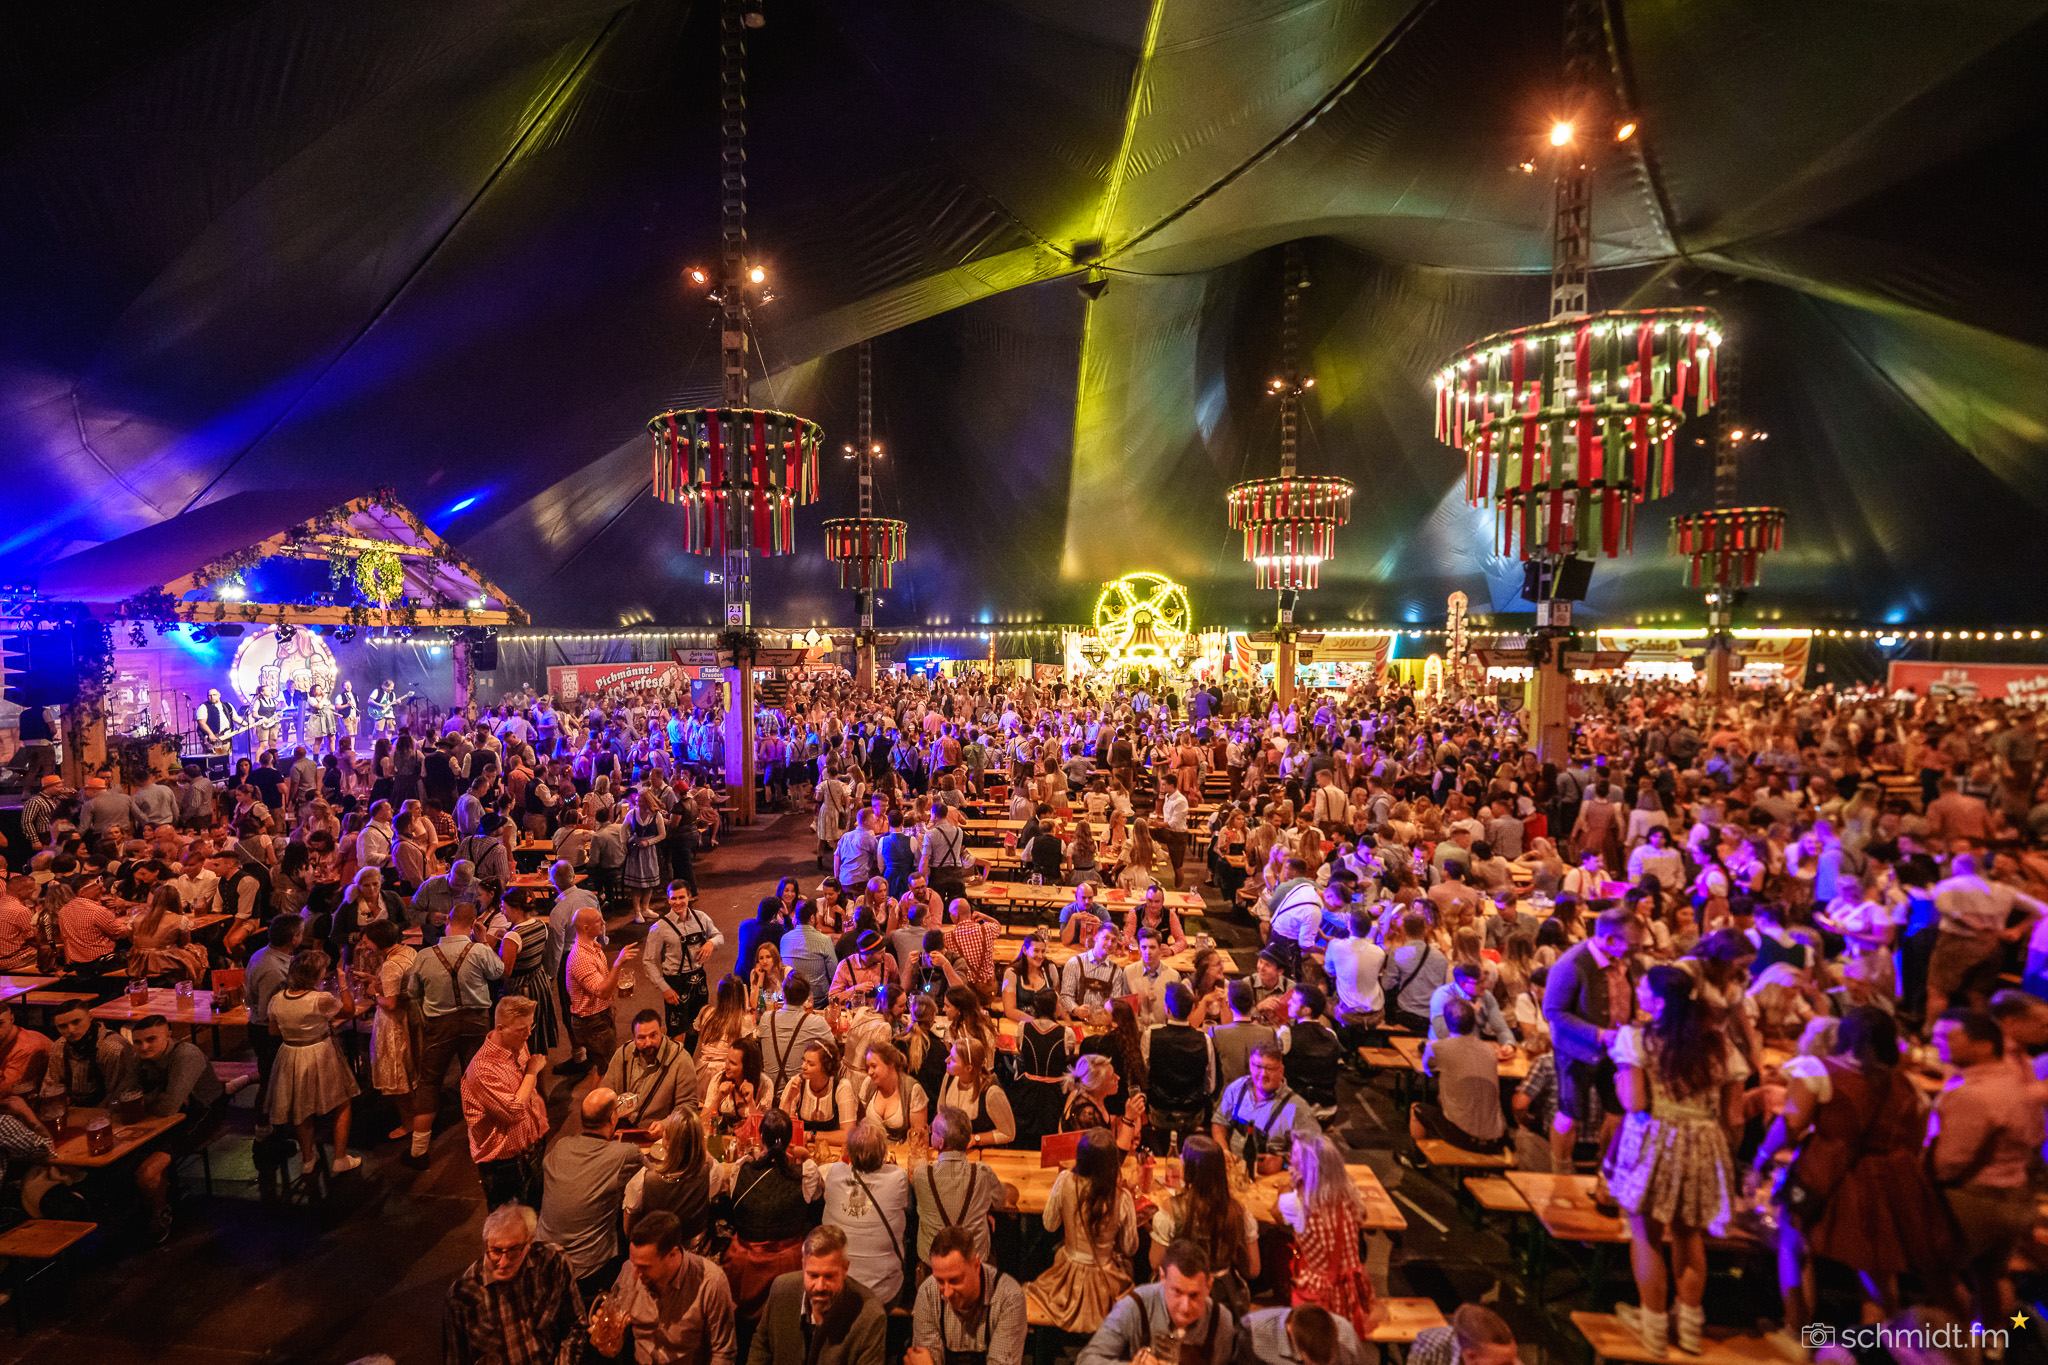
[1718,934]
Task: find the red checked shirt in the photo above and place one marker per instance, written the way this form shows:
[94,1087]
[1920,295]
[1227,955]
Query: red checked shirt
[586,976]
[500,1126]
[975,941]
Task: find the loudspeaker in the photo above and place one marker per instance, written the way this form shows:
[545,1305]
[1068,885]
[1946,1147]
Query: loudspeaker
[41,667]
[1566,579]
[483,654]
[1574,576]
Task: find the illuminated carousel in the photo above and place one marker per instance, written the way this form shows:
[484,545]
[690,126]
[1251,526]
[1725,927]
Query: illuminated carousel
[1143,626]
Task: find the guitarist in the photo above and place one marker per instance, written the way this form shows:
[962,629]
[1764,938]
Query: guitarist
[384,704]
[219,722]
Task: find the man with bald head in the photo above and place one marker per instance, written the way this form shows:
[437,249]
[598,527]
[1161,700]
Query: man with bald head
[585,1176]
[594,988]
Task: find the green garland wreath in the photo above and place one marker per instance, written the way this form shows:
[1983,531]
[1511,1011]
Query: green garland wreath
[380,577]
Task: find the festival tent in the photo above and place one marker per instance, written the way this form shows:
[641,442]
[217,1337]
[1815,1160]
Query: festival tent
[441,248]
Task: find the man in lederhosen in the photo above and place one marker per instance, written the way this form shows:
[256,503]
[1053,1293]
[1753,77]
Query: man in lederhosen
[266,717]
[680,941]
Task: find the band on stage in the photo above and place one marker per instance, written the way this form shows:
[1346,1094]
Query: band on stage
[309,716]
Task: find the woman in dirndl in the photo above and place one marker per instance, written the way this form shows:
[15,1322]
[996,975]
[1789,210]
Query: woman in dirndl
[1668,1166]
[395,1027]
[310,1079]
[526,950]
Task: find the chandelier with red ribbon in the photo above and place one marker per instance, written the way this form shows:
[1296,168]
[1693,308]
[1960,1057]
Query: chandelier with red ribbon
[1726,543]
[1568,424]
[1290,523]
[866,549]
[708,459]
[1290,526]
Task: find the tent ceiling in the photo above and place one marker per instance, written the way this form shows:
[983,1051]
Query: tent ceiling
[440,247]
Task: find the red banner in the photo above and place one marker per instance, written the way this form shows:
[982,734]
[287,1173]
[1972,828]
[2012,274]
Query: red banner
[1992,682]
[604,680]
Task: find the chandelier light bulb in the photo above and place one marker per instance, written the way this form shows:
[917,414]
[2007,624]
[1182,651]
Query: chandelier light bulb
[757,274]
[1625,131]
[696,275]
[1560,133]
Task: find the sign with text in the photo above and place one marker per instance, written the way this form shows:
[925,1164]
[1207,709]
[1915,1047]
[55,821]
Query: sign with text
[607,680]
[1970,682]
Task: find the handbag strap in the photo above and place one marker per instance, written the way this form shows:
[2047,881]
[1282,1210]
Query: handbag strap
[895,1242]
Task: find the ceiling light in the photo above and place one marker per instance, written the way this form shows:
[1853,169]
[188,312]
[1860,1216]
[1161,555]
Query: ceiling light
[757,274]
[696,275]
[1560,133]
[1625,131]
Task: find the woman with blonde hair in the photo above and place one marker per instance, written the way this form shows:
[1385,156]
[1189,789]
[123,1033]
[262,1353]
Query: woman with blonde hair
[719,1025]
[1099,1225]
[1325,1209]
[889,1095]
[161,944]
[1138,864]
[971,1088]
[764,983]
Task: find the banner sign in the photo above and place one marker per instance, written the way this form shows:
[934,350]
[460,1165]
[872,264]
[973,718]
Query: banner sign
[1787,651]
[1971,682]
[604,680]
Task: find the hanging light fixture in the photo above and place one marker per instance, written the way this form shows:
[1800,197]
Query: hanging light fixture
[737,471]
[1568,424]
[1290,523]
[1725,543]
[866,547]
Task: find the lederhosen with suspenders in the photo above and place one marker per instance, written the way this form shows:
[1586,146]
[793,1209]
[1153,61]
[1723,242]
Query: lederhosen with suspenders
[949,878]
[1259,1139]
[782,1070]
[1089,984]
[947,1354]
[692,988]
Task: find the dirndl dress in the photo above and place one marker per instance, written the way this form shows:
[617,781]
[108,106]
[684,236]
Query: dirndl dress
[1669,1163]
[309,1078]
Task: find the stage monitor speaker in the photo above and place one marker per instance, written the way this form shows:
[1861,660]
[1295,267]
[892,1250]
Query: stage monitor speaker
[483,654]
[218,765]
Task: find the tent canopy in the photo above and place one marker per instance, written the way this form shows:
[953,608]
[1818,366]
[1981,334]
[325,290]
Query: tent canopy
[254,247]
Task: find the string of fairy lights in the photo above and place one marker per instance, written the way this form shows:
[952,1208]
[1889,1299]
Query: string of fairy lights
[1885,636]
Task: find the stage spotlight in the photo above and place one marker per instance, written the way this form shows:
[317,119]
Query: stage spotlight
[344,634]
[202,635]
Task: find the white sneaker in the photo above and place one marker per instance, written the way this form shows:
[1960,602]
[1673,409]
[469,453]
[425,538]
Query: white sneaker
[342,1164]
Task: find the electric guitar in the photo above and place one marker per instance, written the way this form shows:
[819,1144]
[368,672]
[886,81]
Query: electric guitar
[223,743]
